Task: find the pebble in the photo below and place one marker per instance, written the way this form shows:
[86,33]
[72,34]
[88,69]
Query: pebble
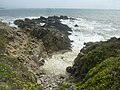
[39,81]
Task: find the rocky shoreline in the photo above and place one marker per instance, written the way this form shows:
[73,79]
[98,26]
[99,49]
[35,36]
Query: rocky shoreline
[97,66]
[36,40]
[32,43]
[50,30]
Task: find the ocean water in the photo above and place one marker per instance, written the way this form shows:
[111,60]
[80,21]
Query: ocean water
[93,25]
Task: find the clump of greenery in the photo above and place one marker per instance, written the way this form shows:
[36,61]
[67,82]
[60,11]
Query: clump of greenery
[97,66]
[14,76]
[93,58]
[105,76]
[65,86]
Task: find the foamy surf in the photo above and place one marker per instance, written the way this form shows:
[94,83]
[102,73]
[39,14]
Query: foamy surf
[58,62]
[85,31]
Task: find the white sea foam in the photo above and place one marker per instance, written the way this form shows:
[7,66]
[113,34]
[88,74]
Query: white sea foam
[85,32]
[10,20]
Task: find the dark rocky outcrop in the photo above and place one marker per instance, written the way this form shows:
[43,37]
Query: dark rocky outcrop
[61,27]
[75,25]
[19,23]
[51,21]
[64,17]
[93,56]
[39,32]
[55,41]
[53,33]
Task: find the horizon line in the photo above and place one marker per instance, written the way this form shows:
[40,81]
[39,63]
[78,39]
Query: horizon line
[65,8]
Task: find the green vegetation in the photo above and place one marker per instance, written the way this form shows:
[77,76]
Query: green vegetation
[97,67]
[105,76]
[14,76]
[65,86]
[93,58]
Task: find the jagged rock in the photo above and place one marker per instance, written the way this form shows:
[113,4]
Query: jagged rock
[75,25]
[56,41]
[19,23]
[64,17]
[39,32]
[51,21]
[61,27]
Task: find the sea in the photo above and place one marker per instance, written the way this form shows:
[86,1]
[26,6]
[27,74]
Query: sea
[104,23]
[93,25]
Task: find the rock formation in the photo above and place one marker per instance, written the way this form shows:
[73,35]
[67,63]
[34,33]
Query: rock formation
[97,65]
[53,33]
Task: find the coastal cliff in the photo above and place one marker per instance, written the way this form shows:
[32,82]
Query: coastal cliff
[24,52]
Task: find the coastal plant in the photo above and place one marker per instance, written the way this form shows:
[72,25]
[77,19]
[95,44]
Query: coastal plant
[14,75]
[105,76]
[97,66]
[93,58]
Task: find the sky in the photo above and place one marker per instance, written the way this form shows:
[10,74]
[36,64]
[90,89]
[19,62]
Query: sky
[83,4]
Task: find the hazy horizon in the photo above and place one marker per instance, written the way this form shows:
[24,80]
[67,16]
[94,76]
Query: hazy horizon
[74,4]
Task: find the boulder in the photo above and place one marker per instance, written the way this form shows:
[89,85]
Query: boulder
[56,41]
[75,25]
[70,69]
[19,22]
[64,17]
[39,32]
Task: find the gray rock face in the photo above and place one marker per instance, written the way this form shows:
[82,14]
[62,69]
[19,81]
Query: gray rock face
[36,56]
